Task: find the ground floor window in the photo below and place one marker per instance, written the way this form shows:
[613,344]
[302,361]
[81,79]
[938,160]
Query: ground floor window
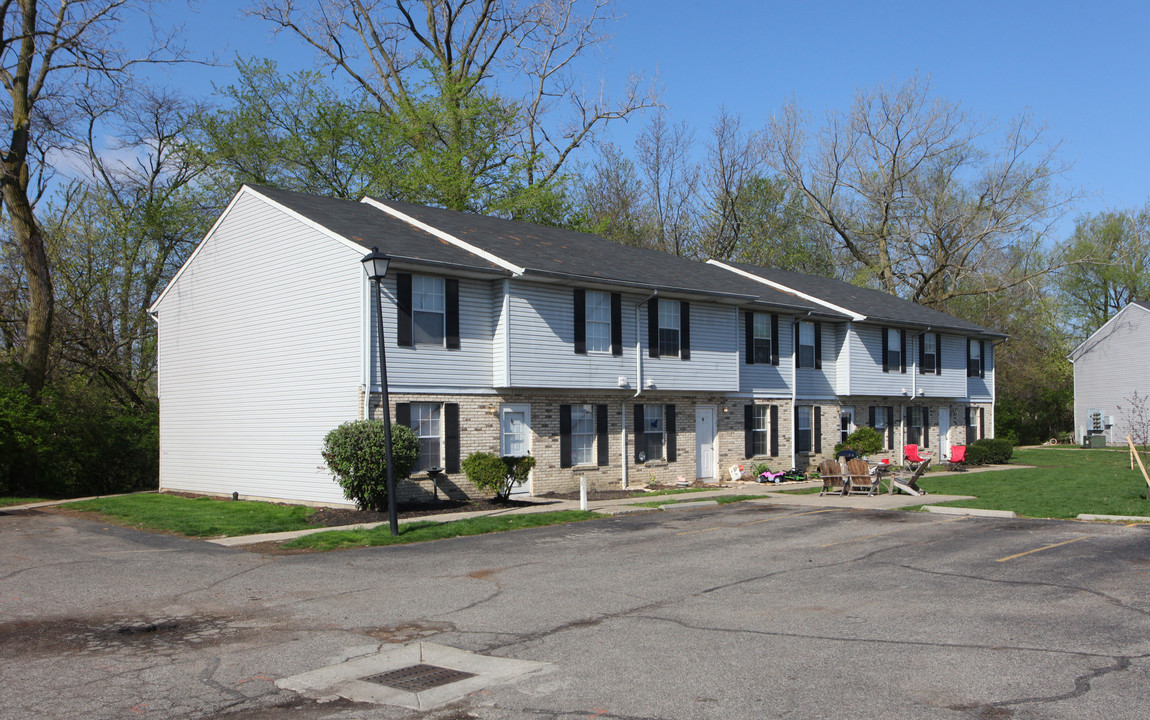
[803,429]
[425,421]
[973,424]
[582,434]
[652,433]
[913,426]
[760,430]
[846,424]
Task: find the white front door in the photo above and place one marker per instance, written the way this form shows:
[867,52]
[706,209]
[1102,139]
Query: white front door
[705,442]
[943,433]
[515,433]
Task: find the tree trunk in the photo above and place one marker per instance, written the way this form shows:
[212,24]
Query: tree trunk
[40,300]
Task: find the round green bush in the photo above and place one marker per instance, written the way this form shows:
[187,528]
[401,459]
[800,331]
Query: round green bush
[497,475]
[356,455]
[989,451]
[865,441]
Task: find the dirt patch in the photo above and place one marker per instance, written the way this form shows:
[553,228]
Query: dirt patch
[90,635]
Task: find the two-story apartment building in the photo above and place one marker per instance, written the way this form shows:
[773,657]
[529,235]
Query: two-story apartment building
[618,364]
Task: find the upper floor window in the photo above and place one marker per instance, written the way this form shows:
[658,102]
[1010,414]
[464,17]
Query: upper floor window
[761,338]
[598,321]
[893,350]
[668,328]
[975,363]
[809,342]
[929,360]
[427,310]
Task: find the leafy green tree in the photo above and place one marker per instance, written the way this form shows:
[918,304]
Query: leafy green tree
[497,475]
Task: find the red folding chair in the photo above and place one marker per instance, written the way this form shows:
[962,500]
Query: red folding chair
[911,458]
[957,459]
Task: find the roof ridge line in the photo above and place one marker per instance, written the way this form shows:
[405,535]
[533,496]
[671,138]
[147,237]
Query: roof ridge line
[445,236]
[779,286]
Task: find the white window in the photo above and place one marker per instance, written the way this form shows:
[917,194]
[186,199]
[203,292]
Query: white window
[803,427]
[652,432]
[582,434]
[880,424]
[760,430]
[598,321]
[893,350]
[973,424]
[428,310]
[761,331]
[425,422]
[806,345]
[929,352]
[846,424]
[914,429]
[668,328]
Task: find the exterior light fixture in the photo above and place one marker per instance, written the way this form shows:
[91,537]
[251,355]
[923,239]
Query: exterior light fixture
[375,265]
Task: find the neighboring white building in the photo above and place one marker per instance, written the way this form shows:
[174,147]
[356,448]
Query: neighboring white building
[613,363]
[1111,366]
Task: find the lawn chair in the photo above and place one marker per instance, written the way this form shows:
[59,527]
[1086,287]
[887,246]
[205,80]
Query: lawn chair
[834,483]
[860,481]
[909,484]
[957,459]
[910,457]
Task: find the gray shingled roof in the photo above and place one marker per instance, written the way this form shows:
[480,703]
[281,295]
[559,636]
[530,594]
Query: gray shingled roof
[877,306]
[557,252]
[1143,304]
[370,227]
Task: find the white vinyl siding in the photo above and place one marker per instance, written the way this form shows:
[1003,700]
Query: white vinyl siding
[759,379]
[1119,350]
[260,355]
[867,377]
[819,383]
[982,389]
[714,363]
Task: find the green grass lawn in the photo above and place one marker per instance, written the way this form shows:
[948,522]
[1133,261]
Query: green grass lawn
[197,517]
[7,501]
[425,531]
[1063,483]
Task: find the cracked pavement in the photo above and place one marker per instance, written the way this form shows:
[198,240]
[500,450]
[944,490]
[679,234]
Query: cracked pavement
[742,611]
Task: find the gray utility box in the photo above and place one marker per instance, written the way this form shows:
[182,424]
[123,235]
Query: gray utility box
[1096,441]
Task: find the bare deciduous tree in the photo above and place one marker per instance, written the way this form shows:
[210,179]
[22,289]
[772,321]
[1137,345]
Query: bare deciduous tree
[672,179]
[907,186]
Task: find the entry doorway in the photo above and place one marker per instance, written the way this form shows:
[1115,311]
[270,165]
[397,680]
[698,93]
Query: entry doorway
[515,438]
[943,433]
[705,443]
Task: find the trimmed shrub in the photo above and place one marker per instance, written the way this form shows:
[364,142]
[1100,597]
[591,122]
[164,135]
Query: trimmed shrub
[865,441]
[497,475]
[989,451]
[356,454]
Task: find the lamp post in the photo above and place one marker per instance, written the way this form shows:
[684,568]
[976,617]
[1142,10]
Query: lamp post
[375,264]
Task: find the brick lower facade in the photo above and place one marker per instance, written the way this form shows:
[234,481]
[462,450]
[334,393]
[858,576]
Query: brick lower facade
[479,421]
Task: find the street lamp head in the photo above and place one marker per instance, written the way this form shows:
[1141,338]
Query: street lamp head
[375,263]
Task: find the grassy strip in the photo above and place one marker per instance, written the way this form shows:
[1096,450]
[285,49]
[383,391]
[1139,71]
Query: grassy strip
[802,491]
[1063,483]
[196,517]
[426,531]
[672,491]
[6,501]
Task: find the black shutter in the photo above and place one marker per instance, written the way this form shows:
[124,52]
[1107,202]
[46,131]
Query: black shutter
[684,330]
[981,363]
[748,430]
[938,353]
[564,436]
[968,359]
[451,293]
[669,425]
[818,429]
[981,426]
[818,346]
[921,353]
[403,414]
[403,309]
[890,427]
[602,445]
[926,427]
[774,430]
[749,334]
[902,349]
[774,339]
[451,437]
[640,438]
[616,324]
[580,315]
[653,327]
[872,418]
[885,350]
[906,420]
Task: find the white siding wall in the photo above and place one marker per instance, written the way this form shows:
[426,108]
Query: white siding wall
[714,363]
[952,382]
[427,367]
[1112,367]
[767,380]
[982,389]
[498,343]
[843,339]
[260,356]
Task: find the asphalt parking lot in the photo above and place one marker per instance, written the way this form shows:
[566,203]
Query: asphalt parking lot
[745,611]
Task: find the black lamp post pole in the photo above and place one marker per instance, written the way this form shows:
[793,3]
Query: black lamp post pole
[392,517]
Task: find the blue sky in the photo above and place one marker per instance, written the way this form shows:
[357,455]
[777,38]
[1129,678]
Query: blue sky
[1080,68]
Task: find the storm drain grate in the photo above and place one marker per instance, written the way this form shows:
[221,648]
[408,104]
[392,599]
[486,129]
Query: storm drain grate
[417,678]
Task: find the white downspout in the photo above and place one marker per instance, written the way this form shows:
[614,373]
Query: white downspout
[795,388]
[638,380]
